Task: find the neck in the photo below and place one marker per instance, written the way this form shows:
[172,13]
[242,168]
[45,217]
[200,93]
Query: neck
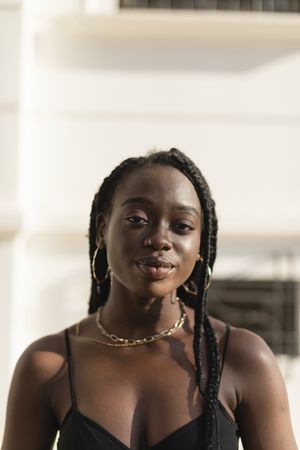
[130,316]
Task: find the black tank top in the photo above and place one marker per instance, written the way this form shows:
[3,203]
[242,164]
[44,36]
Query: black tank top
[79,432]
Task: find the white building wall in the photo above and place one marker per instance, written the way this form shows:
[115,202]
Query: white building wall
[223,88]
[9,216]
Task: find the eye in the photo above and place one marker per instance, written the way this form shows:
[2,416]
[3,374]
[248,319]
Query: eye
[137,220]
[183,227]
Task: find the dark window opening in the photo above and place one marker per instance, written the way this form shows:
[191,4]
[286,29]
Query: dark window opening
[229,5]
[268,308]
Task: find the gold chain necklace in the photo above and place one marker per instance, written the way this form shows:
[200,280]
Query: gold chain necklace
[123,342]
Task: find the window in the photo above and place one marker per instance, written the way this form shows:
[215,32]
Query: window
[232,5]
[269,308]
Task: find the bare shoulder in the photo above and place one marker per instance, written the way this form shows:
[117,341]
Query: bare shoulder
[43,357]
[254,368]
[248,358]
[29,409]
[262,402]
[248,348]
[244,346]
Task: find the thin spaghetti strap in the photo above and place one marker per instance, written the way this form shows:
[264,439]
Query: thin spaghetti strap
[70,368]
[227,333]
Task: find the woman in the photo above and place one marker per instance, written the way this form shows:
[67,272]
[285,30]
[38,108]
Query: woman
[148,369]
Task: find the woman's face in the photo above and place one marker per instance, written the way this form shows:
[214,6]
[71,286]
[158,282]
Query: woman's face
[157,203]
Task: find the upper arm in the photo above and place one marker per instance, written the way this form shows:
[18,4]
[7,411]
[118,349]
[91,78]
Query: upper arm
[263,411]
[30,422]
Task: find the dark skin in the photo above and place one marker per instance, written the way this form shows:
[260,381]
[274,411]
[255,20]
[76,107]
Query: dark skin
[141,402]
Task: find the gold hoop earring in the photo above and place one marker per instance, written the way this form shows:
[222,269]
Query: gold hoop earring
[94,269]
[189,291]
[209,277]
[194,291]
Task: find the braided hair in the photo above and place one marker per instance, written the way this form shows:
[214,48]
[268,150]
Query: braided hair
[198,278]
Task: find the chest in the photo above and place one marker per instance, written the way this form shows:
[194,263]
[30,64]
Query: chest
[138,397]
[141,376]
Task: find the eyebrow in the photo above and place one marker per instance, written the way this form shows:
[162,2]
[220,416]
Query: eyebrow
[177,206]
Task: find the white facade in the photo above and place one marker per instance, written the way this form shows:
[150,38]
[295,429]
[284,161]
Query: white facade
[10,26]
[97,88]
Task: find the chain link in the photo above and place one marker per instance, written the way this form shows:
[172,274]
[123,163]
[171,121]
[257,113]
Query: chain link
[123,342]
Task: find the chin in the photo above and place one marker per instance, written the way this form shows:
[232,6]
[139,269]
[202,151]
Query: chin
[155,291]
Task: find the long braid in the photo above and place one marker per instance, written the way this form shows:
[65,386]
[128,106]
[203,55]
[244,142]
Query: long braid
[99,293]
[208,249]
[102,204]
[213,353]
[92,248]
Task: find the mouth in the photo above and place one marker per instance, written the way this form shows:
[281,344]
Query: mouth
[155,268]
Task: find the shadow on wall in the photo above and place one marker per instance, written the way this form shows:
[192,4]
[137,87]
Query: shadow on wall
[61,303]
[58,49]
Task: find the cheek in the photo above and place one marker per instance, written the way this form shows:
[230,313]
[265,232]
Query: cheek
[119,251]
[190,248]
[189,251]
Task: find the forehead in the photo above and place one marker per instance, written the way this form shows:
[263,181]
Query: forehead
[157,183]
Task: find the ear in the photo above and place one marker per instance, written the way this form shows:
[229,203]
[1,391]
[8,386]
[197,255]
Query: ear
[101,227]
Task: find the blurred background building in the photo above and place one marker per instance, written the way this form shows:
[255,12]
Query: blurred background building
[84,84]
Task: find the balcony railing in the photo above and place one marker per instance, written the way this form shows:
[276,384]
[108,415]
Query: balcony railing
[229,5]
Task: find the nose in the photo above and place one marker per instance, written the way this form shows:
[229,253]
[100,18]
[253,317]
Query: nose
[159,239]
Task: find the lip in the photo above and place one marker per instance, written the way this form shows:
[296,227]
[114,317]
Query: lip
[155,268]
[156,261]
